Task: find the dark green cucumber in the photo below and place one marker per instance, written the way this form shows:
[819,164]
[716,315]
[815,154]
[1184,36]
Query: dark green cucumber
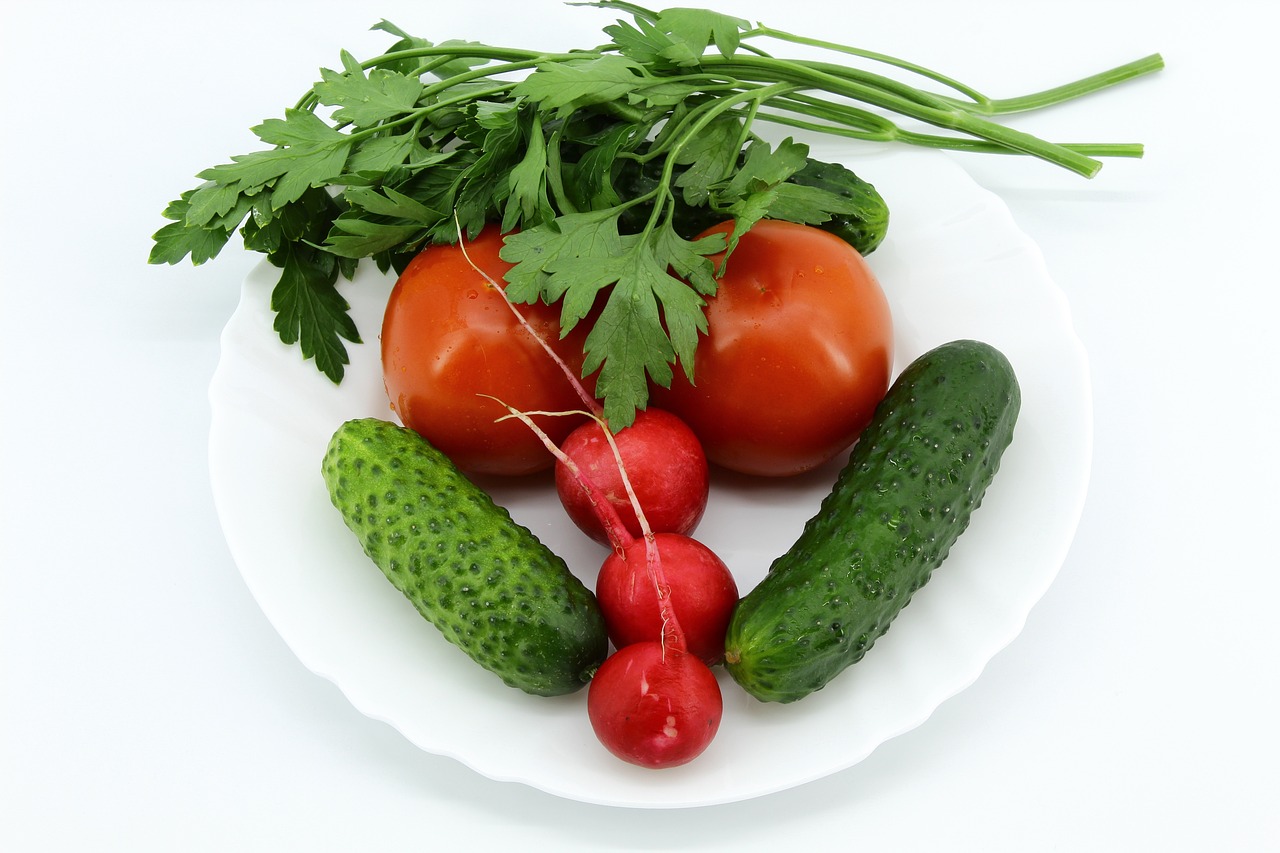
[918,471]
[490,586]
[865,229]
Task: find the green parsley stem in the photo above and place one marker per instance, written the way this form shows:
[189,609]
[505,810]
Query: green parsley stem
[693,126]
[470,51]
[968,91]
[974,100]
[1070,91]
[418,114]
[892,133]
[868,125]
[428,67]
[514,59]
[868,90]
[854,123]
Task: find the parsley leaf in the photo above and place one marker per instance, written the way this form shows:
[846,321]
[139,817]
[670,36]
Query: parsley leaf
[649,317]
[566,260]
[627,344]
[527,201]
[600,164]
[177,240]
[383,153]
[310,153]
[710,157]
[752,193]
[568,85]
[692,30]
[676,37]
[309,309]
[367,100]
[269,230]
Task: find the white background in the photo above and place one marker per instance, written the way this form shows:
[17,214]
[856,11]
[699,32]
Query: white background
[147,705]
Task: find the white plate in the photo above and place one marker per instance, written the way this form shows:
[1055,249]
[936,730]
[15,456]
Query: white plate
[954,266]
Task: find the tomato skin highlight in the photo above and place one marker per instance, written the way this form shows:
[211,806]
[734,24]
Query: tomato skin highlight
[664,462]
[655,707]
[798,353]
[448,337]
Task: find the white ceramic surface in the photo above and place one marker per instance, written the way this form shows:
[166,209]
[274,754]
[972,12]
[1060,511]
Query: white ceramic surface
[954,265]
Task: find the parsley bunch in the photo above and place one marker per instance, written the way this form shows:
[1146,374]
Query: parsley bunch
[428,140]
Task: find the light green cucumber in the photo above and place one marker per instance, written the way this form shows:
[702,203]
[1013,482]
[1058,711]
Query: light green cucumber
[490,586]
[918,471]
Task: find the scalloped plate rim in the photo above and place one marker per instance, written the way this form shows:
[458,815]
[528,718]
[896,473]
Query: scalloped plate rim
[238,399]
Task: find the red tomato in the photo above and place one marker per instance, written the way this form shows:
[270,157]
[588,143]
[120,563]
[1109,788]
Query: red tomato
[448,338]
[797,355]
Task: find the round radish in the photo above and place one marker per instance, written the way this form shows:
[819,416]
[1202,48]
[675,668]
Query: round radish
[664,462]
[654,706]
[654,702]
[697,584]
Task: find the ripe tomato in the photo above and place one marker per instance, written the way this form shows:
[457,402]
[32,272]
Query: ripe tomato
[448,338]
[798,353]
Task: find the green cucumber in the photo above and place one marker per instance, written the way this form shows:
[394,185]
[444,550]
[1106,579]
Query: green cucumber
[863,229]
[918,471]
[490,586]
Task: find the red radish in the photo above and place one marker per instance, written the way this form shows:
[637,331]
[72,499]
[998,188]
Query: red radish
[654,702]
[654,706]
[648,580]
[664,461]
[700,587]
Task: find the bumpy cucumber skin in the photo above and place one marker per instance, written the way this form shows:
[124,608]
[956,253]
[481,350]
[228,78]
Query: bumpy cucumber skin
[490,586]
[865,229]
[917,473]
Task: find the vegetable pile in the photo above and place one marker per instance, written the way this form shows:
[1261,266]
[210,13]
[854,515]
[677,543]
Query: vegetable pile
[591,160]
[603,266]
